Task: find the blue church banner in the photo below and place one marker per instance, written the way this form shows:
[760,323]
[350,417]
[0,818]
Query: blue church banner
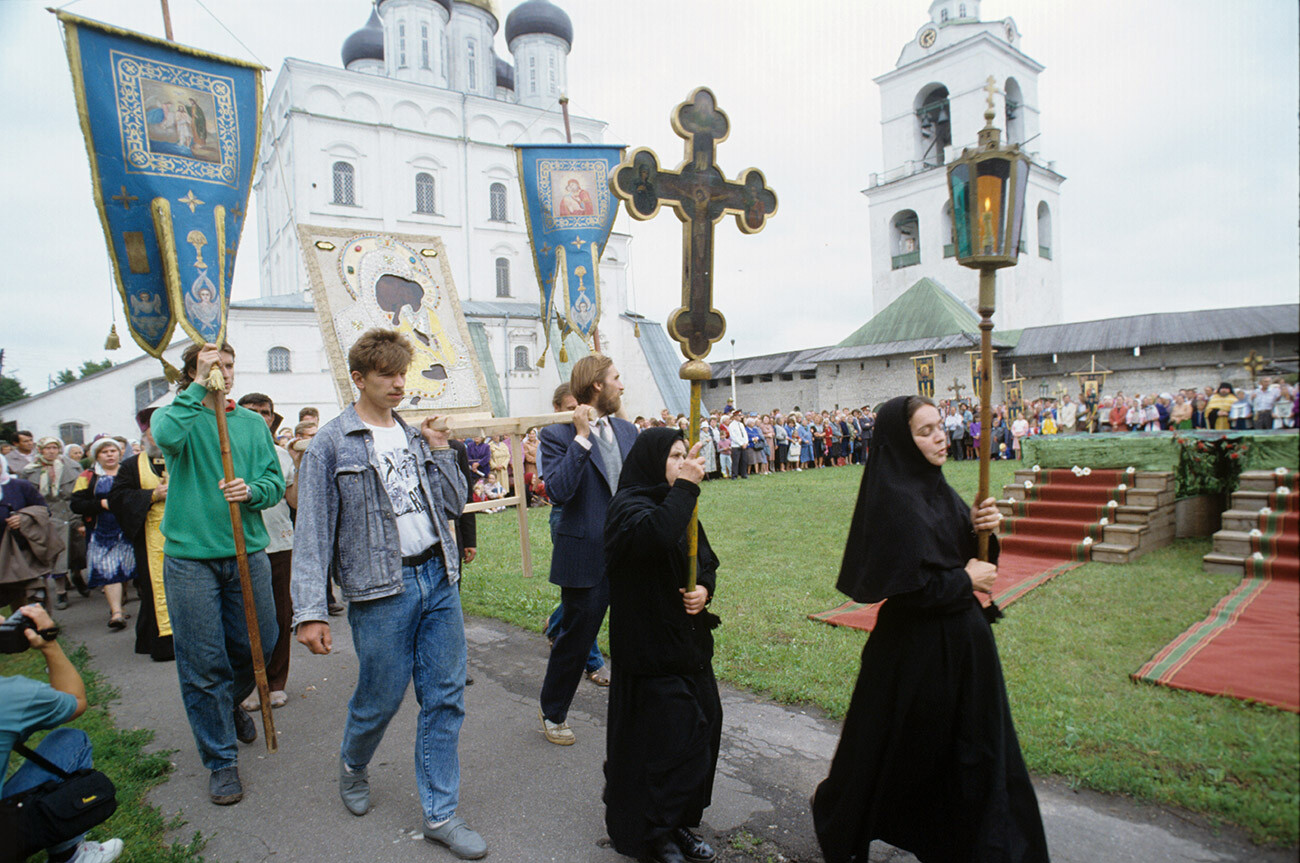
[570,212]
[172,134]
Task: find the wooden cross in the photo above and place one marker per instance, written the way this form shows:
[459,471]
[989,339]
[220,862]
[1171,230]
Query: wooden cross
[701,196]
[957,387]
[1253,364]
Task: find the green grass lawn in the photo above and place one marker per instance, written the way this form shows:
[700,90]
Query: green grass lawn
[121,756]
[1067,647]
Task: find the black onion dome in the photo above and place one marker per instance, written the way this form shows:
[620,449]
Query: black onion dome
[505,74]
[539,16]
[367,43]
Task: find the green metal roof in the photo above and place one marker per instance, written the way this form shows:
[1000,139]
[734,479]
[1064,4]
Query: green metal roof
[925,310]
[478,336]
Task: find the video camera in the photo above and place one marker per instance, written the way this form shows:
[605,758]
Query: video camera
[13,638]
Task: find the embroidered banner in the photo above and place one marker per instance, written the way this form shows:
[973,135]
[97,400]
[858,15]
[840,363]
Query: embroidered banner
[924,366]
[570,212]
[172,135]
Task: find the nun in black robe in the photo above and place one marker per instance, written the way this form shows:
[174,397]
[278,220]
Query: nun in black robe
[665,717]
[130,502]
[928,760]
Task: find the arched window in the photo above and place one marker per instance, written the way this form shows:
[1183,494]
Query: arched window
[344,185]
[473,65]
[933,125]
[945,220]
[73,433]
[905,239]
[521,359]
[146,392]
[943,16]
[424,198]
[503,277]
[1014,112]
[551,65]
[532,75]
[424,46]
[497,202]
[277,360]
[401,44]
[1044,231]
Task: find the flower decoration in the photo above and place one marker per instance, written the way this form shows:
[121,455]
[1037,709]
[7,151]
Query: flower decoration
[1122,487]
[1268,510]
[1037,469]
[1259,555]
[1104,521]
[1087,471]
[1257,532]
[1029,483]
[1112,503]
[1283,489]
[1087,540]
[1280,471]
[1131,470]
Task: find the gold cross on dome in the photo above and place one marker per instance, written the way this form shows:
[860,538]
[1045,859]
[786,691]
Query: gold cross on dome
[126,199]
[190,200]
[991,87]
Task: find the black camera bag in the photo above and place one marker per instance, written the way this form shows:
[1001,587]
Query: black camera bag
[56,810]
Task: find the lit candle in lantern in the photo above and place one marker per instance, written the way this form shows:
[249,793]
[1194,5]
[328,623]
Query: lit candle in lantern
[986,228]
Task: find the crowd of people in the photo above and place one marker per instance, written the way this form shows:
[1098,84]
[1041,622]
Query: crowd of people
[148,515]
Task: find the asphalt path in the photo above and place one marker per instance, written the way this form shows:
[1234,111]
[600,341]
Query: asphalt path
[532,801]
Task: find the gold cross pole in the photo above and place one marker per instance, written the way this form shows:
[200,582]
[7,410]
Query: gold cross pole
[1253,364]
[957,387]
[700,196]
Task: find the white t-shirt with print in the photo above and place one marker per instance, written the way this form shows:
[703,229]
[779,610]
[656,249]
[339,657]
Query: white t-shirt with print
[399,469]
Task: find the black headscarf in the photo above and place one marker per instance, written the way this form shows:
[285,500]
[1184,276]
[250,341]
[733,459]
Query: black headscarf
[908,521]
[645,465]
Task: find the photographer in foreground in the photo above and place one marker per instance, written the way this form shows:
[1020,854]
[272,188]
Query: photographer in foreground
[28,706]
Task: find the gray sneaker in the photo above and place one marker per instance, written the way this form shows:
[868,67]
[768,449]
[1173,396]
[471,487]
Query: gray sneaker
[224,786]
[354,788]
[458,837]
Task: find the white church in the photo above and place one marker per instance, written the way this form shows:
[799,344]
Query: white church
[413,135]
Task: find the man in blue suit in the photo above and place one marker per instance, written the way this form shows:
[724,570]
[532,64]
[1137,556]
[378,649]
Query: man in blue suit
[583,461]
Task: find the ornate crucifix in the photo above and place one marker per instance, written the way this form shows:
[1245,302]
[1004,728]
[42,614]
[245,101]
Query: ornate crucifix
[957,387]
[700,195]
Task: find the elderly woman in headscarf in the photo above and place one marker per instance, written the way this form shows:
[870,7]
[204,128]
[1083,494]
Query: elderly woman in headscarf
[17,576]
[109,552]
[928,760]
[55,475]
[665,717]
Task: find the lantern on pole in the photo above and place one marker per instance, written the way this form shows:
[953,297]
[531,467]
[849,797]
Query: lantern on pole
[986,186]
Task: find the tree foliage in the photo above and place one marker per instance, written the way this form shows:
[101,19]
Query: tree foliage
[11,390]
[89,367]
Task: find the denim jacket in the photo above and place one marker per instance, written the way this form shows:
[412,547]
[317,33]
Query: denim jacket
[346,529]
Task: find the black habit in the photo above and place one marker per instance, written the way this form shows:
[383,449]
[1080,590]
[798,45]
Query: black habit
[130,503]
[665,717]
[928,760]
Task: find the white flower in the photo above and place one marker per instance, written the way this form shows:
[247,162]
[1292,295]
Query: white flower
[1268,510]
[1104,522]
[1075,468]
[1259,555]
[1257,532]
[1037,469]
[1282,489]
[1112,503]
[1087,540]
[1131,470]
[1122,487]
[1086,471]
[1029,483]
[1280,471]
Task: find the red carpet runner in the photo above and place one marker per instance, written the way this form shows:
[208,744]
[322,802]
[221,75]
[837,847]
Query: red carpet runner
[1048,534]
[1249,645]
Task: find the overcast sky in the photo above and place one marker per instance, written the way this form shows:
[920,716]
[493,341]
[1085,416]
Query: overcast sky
[1174,121]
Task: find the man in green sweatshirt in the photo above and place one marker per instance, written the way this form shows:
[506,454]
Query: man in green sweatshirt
[213,658]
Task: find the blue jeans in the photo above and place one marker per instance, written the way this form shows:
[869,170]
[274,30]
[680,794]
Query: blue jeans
[213,659]
[419,631]
[68,748]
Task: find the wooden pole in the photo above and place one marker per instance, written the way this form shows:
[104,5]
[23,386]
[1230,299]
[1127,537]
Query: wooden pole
[516,443]
[988,283]
[167,20]
[246,582]
[692,530]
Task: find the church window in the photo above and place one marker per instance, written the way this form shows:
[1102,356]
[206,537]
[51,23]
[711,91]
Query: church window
[344,185]
[277,360]
[147,392]
[905,239]
[961,10]
[1014,112]
[424,197]
[933,126]
[1044,231]
[943,16]
[473,65]
[497,202]
[401,44]
[521,359]
[424,46]
[551,70]
[73,433]
[503,277]
[532,75]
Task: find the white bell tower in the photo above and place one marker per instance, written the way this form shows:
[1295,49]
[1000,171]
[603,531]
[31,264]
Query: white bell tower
[932,105]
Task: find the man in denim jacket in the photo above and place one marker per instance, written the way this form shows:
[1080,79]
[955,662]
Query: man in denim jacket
[375,500]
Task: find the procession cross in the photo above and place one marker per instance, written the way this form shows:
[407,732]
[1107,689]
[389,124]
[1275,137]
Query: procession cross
[957,387]
[701,196]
